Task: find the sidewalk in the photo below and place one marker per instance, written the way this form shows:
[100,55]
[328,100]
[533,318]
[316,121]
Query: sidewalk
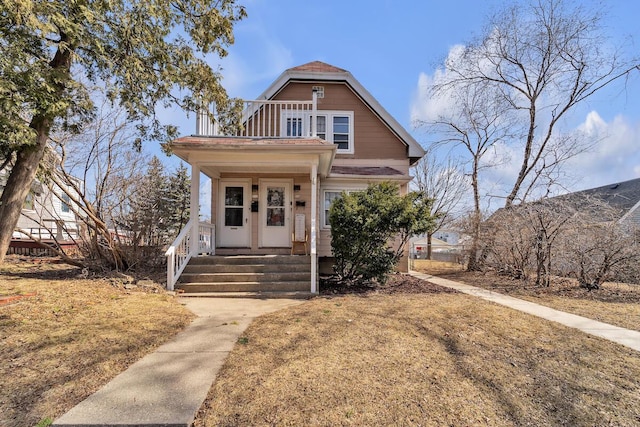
[168,386]
[616,334]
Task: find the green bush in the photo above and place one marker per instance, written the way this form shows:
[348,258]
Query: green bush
[370,228]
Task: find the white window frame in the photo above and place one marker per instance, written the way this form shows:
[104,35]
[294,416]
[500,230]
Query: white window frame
[306,125]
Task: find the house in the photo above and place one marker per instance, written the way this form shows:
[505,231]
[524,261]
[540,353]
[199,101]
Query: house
[313,133]
[621,197]
[47,215]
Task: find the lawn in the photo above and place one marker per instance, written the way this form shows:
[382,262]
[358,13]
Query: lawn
[70,334]
[429,359]
[411,353]
[615,303]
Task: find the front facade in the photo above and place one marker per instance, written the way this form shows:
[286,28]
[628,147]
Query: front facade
[314,133]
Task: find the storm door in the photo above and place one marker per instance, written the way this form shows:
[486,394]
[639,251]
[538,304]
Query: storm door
[275,213]
[234,228]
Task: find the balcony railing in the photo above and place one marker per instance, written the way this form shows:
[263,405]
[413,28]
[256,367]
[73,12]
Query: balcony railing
[268,119]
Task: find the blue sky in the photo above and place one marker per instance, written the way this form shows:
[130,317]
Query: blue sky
[393,46]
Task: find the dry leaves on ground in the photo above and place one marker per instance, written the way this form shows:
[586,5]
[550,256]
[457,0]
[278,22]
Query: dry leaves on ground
[73,336]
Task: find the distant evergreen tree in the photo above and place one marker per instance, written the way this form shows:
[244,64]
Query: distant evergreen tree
[178,200]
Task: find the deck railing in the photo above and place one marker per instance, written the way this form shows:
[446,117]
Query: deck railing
[268,119]
[182,249]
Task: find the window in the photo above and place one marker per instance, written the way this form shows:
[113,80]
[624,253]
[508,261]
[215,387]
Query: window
[294,126]
[233,206]
[333,126]
[65,201]
[329,197]
[321,127]
[341,132]
[28,202]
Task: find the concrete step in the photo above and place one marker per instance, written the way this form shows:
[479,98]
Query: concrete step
[259,295]
[250,259]
[289,286]
[244,277]
[246,268]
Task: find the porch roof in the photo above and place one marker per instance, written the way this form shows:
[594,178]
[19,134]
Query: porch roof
[216,154]
[378,172]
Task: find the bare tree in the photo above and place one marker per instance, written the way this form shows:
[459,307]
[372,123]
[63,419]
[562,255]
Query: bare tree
[445,184]
[566,236]
[598,251]
[108,167]
[478,123]
[537,60]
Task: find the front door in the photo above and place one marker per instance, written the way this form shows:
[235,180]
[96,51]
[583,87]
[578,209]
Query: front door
[234,227]
[275,213]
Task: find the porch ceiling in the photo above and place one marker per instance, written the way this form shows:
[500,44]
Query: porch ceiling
[216,155]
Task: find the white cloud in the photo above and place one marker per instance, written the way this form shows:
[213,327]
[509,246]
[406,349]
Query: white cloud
[615,157]
[256,58]
[423,106]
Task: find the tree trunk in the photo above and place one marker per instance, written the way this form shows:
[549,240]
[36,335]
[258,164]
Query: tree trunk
[28,157]
[19,183]
[429,248]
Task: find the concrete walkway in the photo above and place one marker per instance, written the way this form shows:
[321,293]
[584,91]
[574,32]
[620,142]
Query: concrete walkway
[616,334]
[168,386]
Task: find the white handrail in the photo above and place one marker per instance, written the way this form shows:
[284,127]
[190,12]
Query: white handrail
[178,255]
[181,250]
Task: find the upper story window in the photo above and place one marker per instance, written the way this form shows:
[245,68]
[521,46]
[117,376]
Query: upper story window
[29,201]
[65,202]
[333,126]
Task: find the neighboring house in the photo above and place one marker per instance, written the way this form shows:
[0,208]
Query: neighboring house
[449,236]
[315,132]
[47,214]
[622,199]
[618,202]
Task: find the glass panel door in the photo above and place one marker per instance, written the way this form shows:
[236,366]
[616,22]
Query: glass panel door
[233,224]
[233,206]
[275,206]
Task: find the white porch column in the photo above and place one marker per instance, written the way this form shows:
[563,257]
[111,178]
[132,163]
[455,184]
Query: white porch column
[314,114]
[194,209]
[314,216]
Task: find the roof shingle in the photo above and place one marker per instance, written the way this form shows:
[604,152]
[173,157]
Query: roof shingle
[318,67]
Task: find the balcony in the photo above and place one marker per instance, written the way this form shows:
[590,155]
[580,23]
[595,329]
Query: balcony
[267,119]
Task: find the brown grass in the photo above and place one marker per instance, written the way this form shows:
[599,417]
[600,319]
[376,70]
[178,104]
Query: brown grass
[76,334]
[615,303]
[435,267]
[420,359]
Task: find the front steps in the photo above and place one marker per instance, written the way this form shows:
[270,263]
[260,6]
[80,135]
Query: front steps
[244,276]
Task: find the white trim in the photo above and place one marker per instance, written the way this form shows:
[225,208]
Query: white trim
[307,118]
[414,148]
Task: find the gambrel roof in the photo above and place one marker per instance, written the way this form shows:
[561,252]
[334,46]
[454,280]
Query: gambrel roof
[320,71]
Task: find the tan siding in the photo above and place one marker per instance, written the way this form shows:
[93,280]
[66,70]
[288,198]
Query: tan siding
[373,140]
